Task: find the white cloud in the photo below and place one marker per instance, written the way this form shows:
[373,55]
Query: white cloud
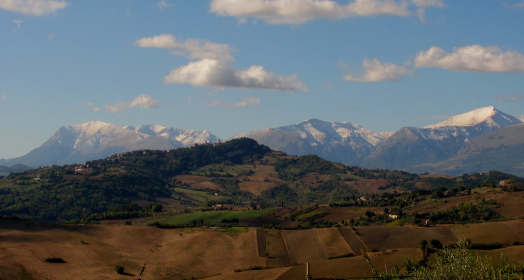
[33,7]
[17,22]
[164,5]
[301,11]
[142,101]
[214,67]
[216,73]
[374,71]
[422,5]
[190,48]
[247,101]
[510,98]
[473,58]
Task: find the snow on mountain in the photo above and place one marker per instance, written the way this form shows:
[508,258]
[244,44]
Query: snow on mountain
[94,140]
[521,117]
[344,142]
[186,137]
[490,115]
[412,146]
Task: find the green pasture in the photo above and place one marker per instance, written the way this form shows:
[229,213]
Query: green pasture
[213,216]
[197,195]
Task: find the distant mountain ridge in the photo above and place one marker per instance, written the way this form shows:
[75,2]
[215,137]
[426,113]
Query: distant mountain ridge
[94,140]
[344,142]
[425,149]
[412,146]
[404,149]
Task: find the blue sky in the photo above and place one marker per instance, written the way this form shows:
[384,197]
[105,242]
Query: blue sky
[230,66]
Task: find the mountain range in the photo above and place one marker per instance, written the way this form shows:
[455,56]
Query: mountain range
[480,140]
[94,140]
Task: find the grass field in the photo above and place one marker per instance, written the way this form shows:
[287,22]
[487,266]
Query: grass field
[213,216]
[199,196]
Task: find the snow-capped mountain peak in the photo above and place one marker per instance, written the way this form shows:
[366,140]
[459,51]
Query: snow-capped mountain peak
[521,117]
[489,115]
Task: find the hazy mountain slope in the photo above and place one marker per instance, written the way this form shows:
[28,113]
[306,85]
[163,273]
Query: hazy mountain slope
[521,117]
[94,140]
[499,150]
[4,170]
[413,146]
[343,142]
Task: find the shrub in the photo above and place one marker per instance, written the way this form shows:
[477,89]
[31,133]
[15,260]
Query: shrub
[119,269]
[55,260]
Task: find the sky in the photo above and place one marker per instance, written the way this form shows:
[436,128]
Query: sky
[231,66]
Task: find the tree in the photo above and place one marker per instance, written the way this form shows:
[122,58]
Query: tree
[435,243]
[119,269]
[476,197]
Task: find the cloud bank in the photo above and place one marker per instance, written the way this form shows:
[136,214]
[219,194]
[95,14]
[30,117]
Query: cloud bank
[33,7]
[473,58]
[301,11]
[214,66]
[374,71]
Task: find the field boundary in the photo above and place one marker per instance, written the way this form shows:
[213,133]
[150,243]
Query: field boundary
[287,247]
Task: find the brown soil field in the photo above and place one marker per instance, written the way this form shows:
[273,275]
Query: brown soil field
[389,237]
[352,240]
[381,261]
[338,268]
[311,178]
[266,274]
[514,254]
[339,214]
[502,232]
[256,187]
[370,185]
[261,242]
[513,205]
[333,242]
[304,246]
[275,246]
[164,254]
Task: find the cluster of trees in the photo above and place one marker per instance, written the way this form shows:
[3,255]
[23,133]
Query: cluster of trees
[69,199]
[467,213]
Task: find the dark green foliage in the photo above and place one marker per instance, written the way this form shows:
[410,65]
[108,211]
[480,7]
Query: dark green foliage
[342,256]
[67,200]
[140,175]
[435,243]
[466,212]
[55,260]
[119,269]
[281,193]
[288,169]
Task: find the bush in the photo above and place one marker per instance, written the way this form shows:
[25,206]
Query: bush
[119,269]
[55,260]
